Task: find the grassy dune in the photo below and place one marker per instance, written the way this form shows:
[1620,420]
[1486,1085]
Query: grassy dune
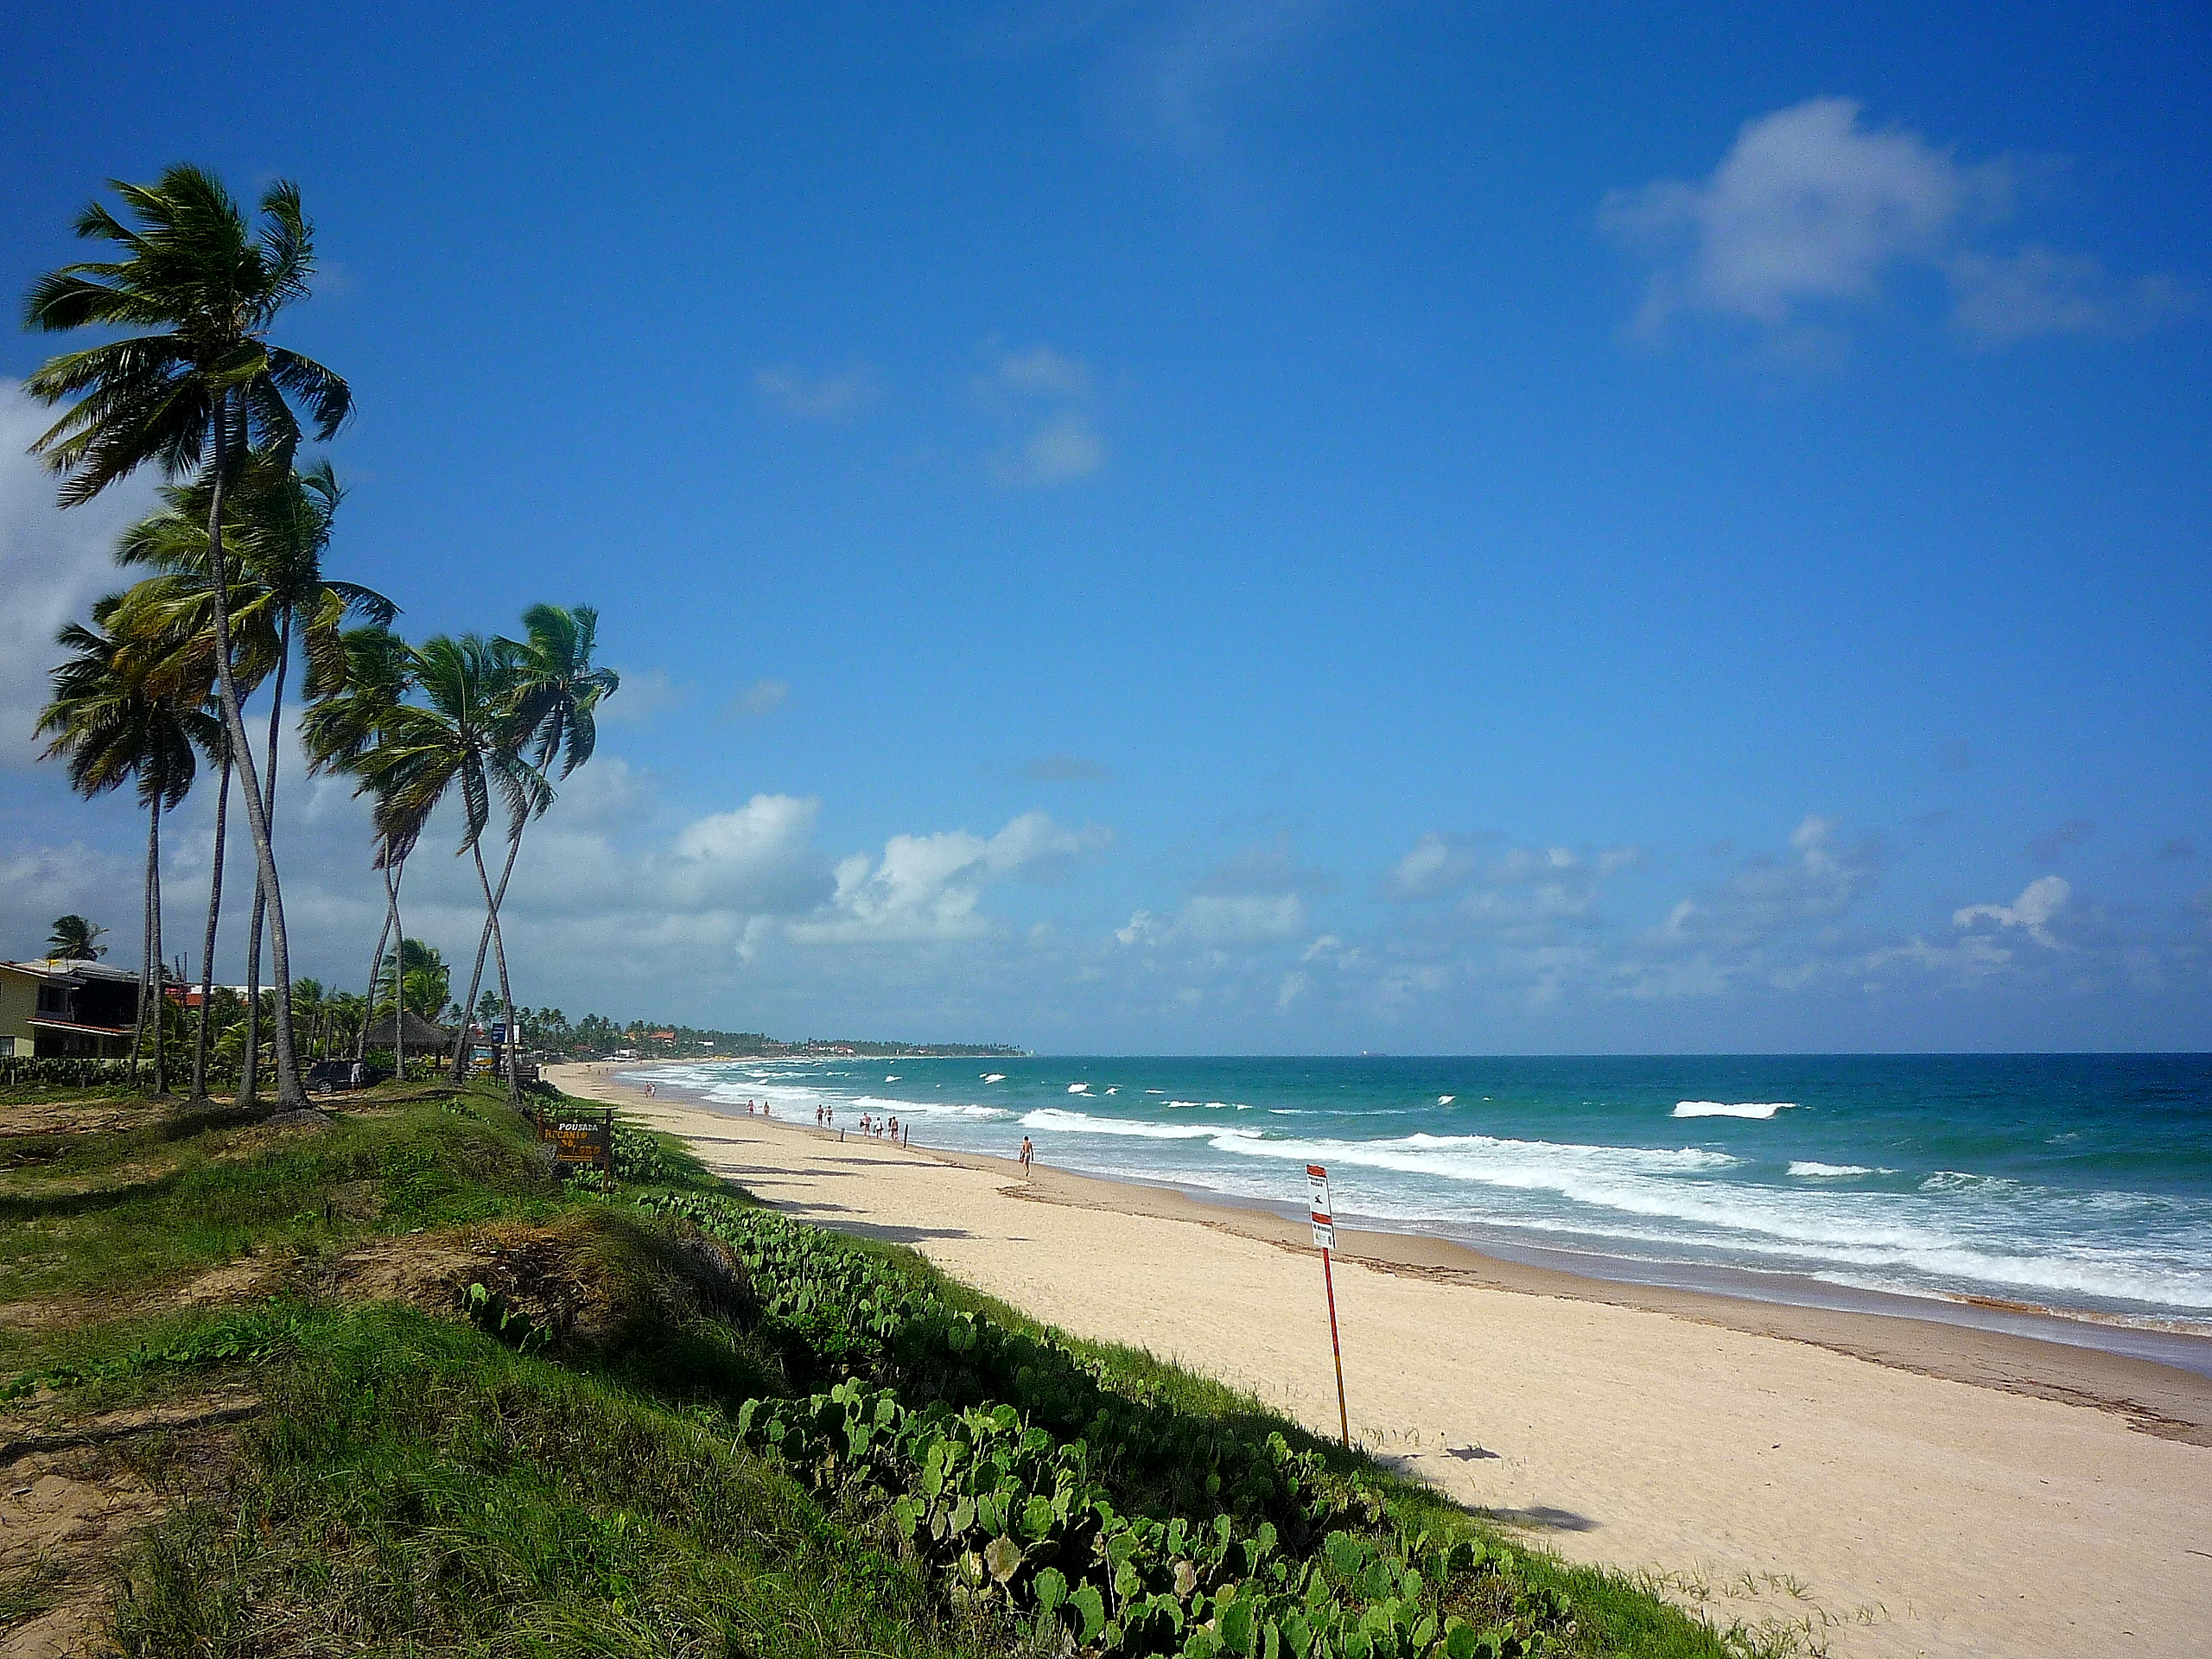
[393,1386]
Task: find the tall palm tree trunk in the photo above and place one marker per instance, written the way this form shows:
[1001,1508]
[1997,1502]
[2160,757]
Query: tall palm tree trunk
[483,944]
[158,1004]
[145,938]
[499,954]
[289,1093]
[376,961]
[207,939]
[249,1082]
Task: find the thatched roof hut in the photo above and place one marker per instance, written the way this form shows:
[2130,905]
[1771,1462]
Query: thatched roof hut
[419,1035]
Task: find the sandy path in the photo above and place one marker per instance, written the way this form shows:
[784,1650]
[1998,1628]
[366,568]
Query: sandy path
[1896,1514]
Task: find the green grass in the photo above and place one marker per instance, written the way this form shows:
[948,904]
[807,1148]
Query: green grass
[413,1486]
[417,1488]
[85,1216]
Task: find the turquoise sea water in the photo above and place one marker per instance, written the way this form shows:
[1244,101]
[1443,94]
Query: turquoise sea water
[2081,1183]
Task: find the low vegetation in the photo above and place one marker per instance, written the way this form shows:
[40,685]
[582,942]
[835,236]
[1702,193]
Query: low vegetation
[392,1385]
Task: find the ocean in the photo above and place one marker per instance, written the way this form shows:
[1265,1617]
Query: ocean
[2078,1183]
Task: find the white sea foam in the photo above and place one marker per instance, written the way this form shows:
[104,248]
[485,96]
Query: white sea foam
[1052,1118]
[926,1108]
[1445,1099]
[1724,1109]
[993,1077]
[1807,1166]
[893,1077]
[1078,1088]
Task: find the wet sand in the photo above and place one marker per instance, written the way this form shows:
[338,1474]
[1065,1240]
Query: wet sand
[1897,1486]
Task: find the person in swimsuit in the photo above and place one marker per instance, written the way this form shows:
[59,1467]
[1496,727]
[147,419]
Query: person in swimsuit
[1028,1156]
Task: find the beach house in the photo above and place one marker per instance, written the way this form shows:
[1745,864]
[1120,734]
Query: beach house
[55,1010]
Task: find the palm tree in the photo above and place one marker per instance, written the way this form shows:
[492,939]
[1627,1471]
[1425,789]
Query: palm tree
[308,1002]
[456,740]
[339,730]
[195,380]
[553,694]
[280,526]
[109,727]
[75,939]
[416,975]
[345,1012]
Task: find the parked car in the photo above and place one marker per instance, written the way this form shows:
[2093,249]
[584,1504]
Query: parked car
[330,1076]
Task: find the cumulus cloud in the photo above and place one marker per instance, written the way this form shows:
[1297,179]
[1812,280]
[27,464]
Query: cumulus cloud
[1816,883]
[1044,393]
[1040,372]
[837,396]
[1436,865]
[1213,920]
[1530,892]
[52,565]
[1264,868]
[756,859]
[1060,768]
[928,887]
[2039,903]
[646,693]
[758,700]
[1812,210]
[1242,919]
[2001,298]
[1064,448]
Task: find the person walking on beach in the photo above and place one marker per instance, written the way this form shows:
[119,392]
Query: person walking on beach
[1028,1156]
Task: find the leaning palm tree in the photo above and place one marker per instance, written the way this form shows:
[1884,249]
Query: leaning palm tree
[279,526]
[339,730]
[197,289]
[455,742]
[75,939]
[108,727]
[553,694]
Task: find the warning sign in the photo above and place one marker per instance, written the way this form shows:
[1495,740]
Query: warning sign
[1316,1199]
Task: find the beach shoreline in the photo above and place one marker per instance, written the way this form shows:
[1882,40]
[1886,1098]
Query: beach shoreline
[1891,1487]
[2058,1358]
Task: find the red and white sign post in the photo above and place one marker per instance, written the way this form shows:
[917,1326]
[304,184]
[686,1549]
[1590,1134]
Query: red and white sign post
[1325,1239]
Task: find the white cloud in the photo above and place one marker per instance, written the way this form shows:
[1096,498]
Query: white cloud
[645,694]
[758,699]
[1242,919]
[2000,298]
[1436,865]
[837,396]
[1063,448]
[1040,372]
[52,565]
[758,858]
[1182,77]
[1811,210]
[1806,206]
[1042,392]
[2039,902]
[927,888]
[1769,896]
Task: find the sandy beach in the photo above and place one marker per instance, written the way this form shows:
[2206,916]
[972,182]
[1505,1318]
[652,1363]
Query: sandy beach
[1892,1487]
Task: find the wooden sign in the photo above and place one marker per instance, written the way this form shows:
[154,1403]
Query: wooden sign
[578,1138]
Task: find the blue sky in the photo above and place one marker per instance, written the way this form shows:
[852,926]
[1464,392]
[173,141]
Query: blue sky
[1256,527]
